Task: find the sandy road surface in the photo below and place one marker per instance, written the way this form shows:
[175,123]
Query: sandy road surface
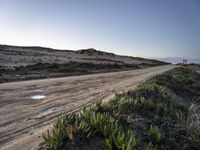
[22,119]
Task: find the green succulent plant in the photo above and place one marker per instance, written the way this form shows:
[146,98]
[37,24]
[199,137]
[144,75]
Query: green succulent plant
[149,146]
[156,134]
[154,116]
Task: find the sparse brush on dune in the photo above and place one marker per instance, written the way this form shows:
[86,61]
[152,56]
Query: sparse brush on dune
[154,116]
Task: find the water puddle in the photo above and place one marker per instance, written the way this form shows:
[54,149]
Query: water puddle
[37,97]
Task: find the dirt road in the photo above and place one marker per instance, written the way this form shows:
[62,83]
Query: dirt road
[23,119]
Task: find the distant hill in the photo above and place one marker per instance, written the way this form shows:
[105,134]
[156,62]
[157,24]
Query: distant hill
[177,60]
[22,56]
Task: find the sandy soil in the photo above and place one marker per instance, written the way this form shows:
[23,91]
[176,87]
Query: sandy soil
[22,119]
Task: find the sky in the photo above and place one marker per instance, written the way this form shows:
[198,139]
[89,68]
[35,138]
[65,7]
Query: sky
[145,28]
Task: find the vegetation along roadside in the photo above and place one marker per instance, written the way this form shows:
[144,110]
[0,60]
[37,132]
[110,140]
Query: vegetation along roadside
[160,114]
[46,70]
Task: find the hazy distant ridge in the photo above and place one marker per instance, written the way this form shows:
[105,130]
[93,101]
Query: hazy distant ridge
[175,60]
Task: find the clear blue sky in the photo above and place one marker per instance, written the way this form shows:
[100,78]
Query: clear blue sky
[146,28]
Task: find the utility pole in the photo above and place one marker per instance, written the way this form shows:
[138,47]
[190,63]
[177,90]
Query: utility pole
[185,61]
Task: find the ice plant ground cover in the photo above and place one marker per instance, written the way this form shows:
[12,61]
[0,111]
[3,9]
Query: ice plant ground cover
[161,113]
